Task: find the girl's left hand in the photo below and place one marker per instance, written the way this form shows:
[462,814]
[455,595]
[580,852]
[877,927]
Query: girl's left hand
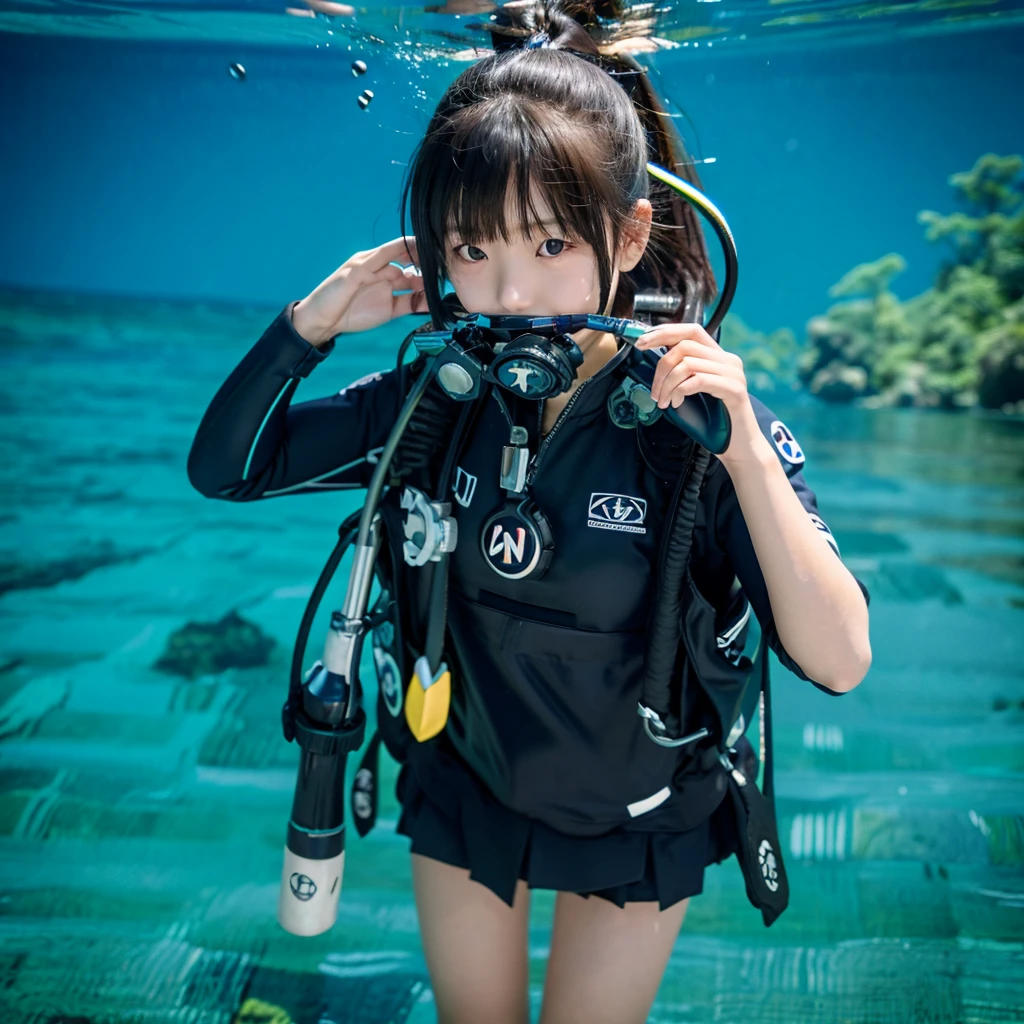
[696,362]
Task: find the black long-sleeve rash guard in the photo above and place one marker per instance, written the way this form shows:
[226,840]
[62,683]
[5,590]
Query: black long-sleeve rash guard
[549,669]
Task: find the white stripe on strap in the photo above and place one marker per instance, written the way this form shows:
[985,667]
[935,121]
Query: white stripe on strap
[643,806]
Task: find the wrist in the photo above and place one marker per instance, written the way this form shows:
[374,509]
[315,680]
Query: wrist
[749,450]
[307,328]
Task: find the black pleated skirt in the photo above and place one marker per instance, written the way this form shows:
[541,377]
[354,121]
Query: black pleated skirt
[450,816]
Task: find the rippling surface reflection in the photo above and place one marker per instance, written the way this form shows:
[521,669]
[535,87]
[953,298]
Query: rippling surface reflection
[446,28]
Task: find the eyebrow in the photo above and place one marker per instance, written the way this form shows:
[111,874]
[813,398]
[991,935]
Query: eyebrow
[531,226]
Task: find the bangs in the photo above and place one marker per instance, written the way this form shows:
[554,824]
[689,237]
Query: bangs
[498,168]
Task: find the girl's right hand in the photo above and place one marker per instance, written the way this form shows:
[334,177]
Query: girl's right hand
[359,295]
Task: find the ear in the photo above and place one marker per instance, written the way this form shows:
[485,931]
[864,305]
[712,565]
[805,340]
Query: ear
[635,236]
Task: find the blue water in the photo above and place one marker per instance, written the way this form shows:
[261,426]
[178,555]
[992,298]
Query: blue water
[144,168]
[157,214]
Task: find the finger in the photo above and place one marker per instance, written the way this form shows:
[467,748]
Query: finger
[402,250]
[413,283]
[708,383]
[695,350]
[410,279]
[693,385]
[666,364]
[393,274]
[400,277]
[674,334]
[665,334]
[690,366]
[409,304]
[672,381]
[697,364]
[412,288]
[715,361]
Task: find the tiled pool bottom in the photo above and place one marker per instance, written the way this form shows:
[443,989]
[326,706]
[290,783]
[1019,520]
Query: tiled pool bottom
[142,816]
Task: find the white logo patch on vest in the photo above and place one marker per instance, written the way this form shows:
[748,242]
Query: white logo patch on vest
[465,486]
[823,529]
[362,793]
[769,866]
[786,443]
[390,679]
[617,512]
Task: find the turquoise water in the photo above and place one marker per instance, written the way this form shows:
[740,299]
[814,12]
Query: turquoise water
[142,815]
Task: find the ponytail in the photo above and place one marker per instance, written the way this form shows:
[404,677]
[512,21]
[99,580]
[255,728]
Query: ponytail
[676,259]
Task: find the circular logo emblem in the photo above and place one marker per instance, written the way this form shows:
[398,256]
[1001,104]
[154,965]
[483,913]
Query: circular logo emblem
[786,443]
[511,544]
[302,886]
[362,793]
[769,867]
[526,377]
[389,679]
[384,634]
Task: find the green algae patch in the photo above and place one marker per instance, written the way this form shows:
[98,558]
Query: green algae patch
[256,1011]
[958,345]
[206,648]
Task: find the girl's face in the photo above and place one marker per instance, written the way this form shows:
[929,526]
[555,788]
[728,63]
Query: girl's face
[540,273]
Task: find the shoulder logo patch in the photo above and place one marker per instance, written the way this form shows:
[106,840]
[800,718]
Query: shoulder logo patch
[617,512]
[786,443]
[370,378]
[822,527]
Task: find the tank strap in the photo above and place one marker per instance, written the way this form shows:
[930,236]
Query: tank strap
[659,704]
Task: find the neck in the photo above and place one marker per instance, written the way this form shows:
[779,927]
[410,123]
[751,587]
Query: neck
[597,348]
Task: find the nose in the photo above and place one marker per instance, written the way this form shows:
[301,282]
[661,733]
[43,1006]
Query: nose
[515,295]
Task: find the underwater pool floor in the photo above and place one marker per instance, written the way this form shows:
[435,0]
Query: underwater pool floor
[142,815]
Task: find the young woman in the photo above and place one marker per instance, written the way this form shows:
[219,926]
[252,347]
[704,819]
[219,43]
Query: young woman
[529,195]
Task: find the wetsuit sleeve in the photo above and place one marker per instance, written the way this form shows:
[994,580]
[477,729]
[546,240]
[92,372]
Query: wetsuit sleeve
[733,538]
[252,443]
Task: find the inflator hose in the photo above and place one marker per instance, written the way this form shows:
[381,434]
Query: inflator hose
[665,629]
[346,535]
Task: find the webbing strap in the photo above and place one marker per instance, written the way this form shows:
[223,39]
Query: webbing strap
[665,625]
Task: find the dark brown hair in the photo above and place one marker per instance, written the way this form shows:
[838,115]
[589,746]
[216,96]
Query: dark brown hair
[540,118]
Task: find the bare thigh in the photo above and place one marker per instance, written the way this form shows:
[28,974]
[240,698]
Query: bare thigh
[475,944]
[607,962]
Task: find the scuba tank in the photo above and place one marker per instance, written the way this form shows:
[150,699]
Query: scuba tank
[324,716]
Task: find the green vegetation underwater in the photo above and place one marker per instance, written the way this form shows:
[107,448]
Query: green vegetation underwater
[173,173]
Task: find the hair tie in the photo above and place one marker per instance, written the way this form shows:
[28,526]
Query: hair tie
[516,39]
